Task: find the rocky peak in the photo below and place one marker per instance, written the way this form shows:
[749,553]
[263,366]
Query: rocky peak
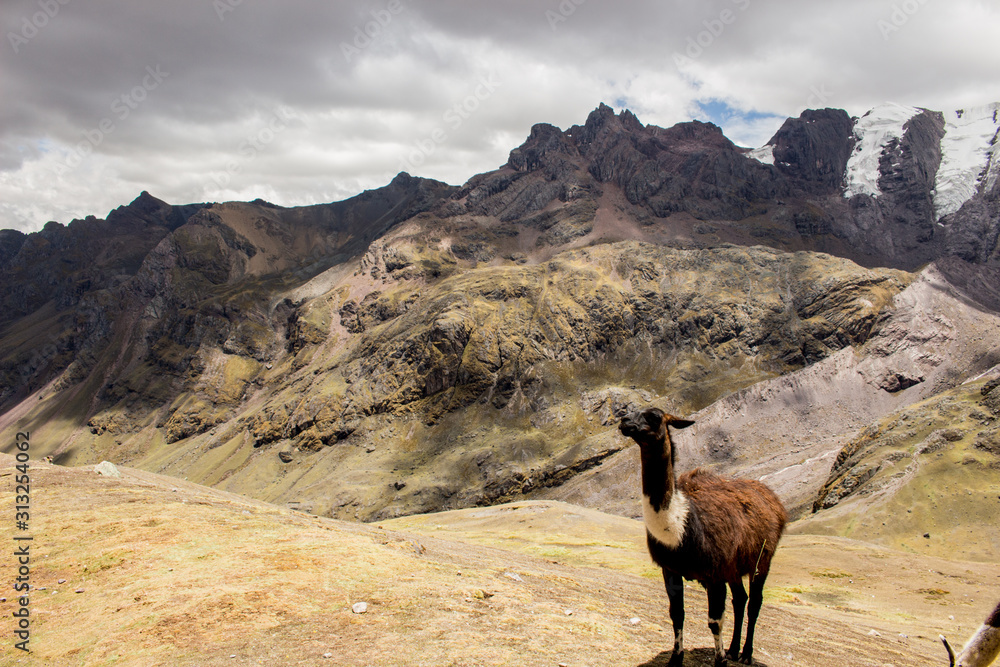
[402,180]
[147,203]
[543,144]
[813,149]
[598,119]
[11,241]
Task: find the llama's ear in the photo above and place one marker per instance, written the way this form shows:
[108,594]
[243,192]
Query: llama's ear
[681,423]
[951,654]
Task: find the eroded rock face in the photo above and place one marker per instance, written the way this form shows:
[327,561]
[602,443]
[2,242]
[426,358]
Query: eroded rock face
[486,353]
[813,149]
[690,167]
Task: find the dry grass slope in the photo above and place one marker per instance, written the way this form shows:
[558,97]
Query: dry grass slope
[163,572]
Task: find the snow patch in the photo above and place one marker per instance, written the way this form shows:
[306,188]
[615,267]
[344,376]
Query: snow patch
[764,154]
[968,157]
[872,133]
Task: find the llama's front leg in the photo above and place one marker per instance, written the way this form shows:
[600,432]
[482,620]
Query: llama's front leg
[675,593]
[716,610]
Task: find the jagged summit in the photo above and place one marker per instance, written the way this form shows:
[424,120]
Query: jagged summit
[899,185]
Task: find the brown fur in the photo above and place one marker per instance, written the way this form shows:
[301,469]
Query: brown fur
[741,542]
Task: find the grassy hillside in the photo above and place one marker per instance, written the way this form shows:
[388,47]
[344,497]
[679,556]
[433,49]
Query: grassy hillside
[149,570]
[923,480]
[389,390]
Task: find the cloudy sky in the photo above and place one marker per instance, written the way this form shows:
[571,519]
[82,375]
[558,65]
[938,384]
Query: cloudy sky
[305,102]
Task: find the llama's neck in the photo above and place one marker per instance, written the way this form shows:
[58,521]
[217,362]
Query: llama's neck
[664,507]
[659,481]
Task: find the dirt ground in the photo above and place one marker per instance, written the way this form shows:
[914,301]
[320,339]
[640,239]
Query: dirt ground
[150,570]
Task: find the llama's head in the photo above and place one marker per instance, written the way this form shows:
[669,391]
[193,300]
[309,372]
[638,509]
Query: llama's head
[649,427]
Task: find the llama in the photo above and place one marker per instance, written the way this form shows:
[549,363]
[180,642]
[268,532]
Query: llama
[984,646]
[711,529]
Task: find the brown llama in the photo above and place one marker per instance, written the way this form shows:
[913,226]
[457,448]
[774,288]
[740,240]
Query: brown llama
[699,526]
[984,646]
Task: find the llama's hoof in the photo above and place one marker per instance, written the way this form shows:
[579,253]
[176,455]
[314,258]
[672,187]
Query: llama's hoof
[676,660]
[721,661]
[746,659]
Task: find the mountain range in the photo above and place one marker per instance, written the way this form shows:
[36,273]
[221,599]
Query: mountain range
[826,306]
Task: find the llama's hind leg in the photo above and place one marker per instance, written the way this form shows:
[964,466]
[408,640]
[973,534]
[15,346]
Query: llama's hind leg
[675,593]
[739,605]
[753,611]
[716,610]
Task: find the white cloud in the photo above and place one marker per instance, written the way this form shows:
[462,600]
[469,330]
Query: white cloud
[365,111]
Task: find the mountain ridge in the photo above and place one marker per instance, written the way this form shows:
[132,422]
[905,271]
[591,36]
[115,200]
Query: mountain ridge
[424,346]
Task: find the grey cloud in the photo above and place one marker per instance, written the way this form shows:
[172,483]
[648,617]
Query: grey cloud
[364,102]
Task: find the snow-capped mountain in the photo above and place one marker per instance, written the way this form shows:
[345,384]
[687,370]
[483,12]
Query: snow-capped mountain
[918,183]
[969,161]
[968,164]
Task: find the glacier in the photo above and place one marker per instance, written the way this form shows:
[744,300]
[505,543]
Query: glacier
[764,154]
[968,157]
[872,133]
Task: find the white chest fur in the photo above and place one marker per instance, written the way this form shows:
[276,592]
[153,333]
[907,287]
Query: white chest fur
[667,525]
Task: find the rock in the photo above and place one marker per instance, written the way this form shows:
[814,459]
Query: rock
[989,442]
[893,381]
[107,469]
[513,576]
[611,404]
[360,608]
[813,149]
[285,457]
